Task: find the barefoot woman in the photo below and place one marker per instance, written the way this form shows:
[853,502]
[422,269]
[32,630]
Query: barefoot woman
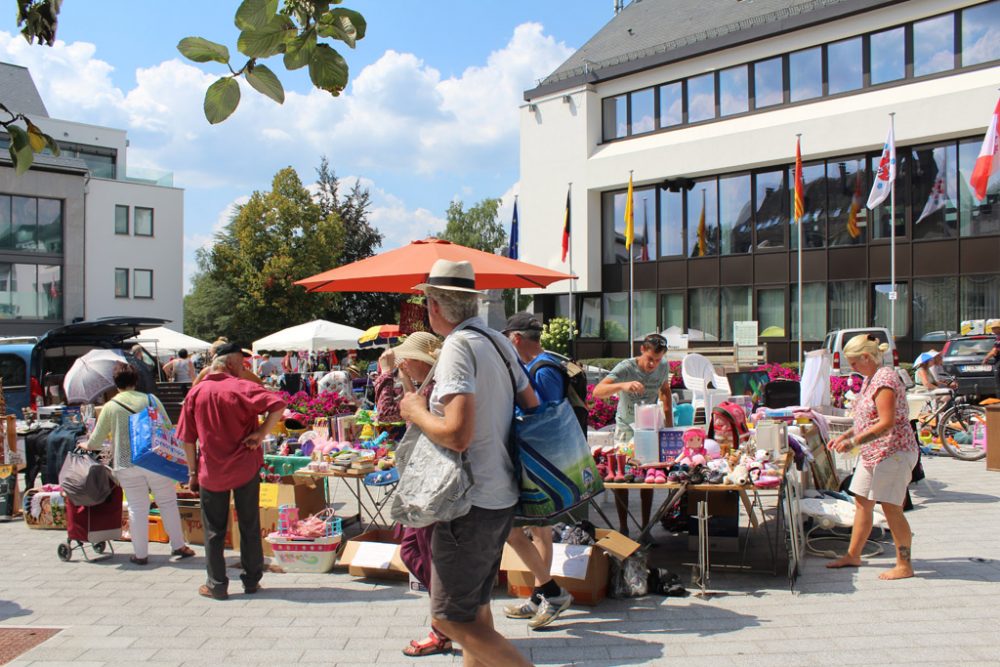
[888,454]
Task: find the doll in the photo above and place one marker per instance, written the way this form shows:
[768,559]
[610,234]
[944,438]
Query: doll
[694,448]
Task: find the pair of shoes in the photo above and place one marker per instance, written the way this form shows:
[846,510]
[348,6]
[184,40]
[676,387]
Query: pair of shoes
[678,473]
[135,560]
[550,608]
[432,644]
[525,609]
[715,477]
[184,552]
[250,589]
[698,474]
[215,594]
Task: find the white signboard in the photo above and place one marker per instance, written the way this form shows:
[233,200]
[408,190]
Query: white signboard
[745,341]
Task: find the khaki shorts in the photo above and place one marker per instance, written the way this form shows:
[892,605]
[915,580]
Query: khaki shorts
[465,559]
[887,481]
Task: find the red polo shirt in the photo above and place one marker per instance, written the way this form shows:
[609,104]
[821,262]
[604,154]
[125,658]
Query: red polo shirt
[219,412]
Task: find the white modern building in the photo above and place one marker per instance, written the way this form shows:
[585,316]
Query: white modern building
[82,236]
[716,91]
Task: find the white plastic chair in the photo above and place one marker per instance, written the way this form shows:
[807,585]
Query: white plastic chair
[698,373]
[721,383]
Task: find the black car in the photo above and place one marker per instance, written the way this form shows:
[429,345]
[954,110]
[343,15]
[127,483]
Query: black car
[963,358]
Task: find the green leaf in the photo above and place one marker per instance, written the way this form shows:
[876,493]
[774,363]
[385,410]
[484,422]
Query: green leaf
[221,99]
[299,50]
[264,81]
[328,70]
[18,137]
[253,14]
[201,50]
[266,41]
[51,143]
[349,20]
[36,138]
[20,149]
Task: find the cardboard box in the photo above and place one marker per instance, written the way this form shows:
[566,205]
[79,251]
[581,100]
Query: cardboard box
[375,554]
[583,571]
[304,492]
[194,530]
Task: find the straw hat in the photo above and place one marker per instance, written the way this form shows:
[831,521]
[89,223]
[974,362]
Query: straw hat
[419,346]
[453,276]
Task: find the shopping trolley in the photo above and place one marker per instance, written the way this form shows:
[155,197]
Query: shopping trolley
[96,525]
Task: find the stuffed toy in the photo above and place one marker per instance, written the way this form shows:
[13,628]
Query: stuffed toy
[694,448]
[738,476]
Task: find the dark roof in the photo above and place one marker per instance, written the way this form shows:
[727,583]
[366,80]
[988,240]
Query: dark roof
[650,33]
[47,162]
[19,92]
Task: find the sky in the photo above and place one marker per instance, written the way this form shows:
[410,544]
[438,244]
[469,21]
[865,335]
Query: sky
[430,114]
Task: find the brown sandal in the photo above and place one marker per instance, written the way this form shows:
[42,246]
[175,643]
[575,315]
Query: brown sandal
[433,644]
[184,552]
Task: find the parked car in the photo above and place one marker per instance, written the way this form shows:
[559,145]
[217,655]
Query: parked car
[836,340]
[962,358]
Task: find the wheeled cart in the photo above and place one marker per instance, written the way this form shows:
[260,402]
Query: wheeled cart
[96,525]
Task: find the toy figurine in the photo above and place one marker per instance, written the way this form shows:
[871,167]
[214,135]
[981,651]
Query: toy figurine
[694,448]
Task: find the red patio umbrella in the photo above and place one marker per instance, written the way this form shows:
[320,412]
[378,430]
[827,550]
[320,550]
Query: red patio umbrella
[400,269]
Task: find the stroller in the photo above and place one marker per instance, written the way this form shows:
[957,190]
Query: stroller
[98,525]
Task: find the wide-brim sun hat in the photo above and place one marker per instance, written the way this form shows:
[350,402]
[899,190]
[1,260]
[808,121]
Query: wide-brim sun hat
[451,276]
[418,346]
[924,357]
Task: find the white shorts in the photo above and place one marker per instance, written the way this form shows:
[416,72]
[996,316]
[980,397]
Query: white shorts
[887,481]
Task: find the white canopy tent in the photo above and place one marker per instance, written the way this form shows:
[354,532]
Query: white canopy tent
[312,336]
[165,342]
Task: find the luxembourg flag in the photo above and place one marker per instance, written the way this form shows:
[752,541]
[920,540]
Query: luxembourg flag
[988,161]
[886,173]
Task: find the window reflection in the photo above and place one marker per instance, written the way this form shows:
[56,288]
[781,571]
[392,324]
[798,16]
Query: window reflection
[771,200]
[734,214]
[847,192]
[644,315]
[702,219]
[880,216]
[882,307]
[733,91]
[50,225]
[671,104]
[616,316]
[6,231]
[703,314]
[888,58]
[24,213]
[977,217]
[934,196]
[643,226]
[50,292]
[844,66]
[671,224]
[813,311]
[701,98]
[672,311]
[768,83]
[771,313]
[814,199]
[934,45]
[590,317]
[848,304]
[935,309]
[805,69]
[981,33]
[642,111]
[615,117]
[736,305]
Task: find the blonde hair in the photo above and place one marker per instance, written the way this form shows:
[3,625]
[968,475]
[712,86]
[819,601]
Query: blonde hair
[865,344]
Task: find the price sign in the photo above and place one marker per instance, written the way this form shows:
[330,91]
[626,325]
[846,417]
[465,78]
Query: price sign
[893,296]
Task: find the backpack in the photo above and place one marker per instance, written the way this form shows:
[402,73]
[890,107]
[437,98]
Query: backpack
[85,482]
[575,379]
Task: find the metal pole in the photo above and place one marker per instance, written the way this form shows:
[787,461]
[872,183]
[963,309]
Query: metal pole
[799,233]
[892,240]
[631,276]
[572,303]
[517,290]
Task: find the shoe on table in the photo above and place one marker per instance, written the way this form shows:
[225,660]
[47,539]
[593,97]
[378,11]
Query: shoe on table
[550,608]
[523,609]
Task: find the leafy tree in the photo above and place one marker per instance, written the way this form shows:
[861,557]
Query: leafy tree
[479,227]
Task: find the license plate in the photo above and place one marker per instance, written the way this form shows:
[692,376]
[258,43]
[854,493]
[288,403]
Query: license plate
[981,368]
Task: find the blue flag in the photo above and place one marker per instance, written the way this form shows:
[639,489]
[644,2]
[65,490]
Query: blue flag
[512,250]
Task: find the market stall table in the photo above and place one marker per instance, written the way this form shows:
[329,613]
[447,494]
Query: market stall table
[378,504]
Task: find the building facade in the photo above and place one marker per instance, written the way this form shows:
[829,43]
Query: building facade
[81,235]
[711,95]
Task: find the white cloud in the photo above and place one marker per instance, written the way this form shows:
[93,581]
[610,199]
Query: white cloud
[390,215]
[195,241]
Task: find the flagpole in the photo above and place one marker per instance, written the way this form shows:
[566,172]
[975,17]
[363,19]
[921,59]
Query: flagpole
[572,303]
[798,137]
[631,282]
[892,241]
[517,290]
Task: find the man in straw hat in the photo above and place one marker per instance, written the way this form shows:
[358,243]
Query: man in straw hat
[470,411]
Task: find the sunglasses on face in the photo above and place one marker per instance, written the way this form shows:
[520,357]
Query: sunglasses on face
[656,342]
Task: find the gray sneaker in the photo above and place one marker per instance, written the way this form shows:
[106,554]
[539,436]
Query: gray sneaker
[525,609]
[550,608]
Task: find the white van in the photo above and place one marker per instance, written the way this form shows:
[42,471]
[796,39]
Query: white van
[835,341]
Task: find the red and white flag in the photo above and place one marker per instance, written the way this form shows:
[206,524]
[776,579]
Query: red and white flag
[988,161]
[886,173]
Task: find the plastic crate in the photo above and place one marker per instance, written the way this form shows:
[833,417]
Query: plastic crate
[315,556]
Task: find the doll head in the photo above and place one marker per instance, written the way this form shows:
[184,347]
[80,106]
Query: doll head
[694,439]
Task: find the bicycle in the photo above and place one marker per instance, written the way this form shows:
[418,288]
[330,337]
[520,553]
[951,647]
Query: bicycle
[959,424]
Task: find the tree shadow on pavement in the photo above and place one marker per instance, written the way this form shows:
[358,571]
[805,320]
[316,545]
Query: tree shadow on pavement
[9,609]
[931,491]
[973,568]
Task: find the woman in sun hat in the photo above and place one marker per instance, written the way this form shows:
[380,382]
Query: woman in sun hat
[930,372]
[411,361]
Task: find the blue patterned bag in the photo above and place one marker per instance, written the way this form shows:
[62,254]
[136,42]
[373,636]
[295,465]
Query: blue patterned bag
[153,444]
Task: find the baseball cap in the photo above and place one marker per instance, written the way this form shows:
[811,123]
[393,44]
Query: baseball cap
[522,322]
[230,348]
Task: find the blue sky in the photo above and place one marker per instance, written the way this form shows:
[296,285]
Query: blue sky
[430,114]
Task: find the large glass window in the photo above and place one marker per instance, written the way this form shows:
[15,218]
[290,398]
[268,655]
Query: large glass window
[734,92]
[847,217]
[771,202]
[32,224]
[615,117]
[768,82]
[644,314]
[19,292]
[50,292]
[771,313]
[883,305]
[703,219]
[703,313]
[848,304]
[121,283]
[934,199]
[935,309]
[735,221]
[701,97]
[880,216]
[6,231]
[590,317]
[981,33]
[977,217]
[813,311]
[888,55]
[844,66]
[50,225]
[642,111]
[143,221]
[736,305]
[671,104]
[979,297]
[24,213]
[143,284]
[805,74]
[671,224]
[121,219]
[613,223]
[672,311]
[616,316]
[934,45]
[814,199]
[643,223]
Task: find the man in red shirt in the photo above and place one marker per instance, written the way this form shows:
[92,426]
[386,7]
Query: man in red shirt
[221,414]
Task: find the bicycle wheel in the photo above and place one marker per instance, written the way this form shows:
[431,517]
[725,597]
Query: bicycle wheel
[957,429]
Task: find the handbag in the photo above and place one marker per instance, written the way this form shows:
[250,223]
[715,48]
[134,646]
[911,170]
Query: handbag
[85,481]
[434,481]
[154,447]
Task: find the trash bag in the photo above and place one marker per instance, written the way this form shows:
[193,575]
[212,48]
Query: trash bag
[629,578]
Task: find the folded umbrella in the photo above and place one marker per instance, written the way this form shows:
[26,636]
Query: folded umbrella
[91,375]
[380,334]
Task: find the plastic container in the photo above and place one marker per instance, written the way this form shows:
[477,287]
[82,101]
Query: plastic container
[647,446]
[315,556]
[649,417]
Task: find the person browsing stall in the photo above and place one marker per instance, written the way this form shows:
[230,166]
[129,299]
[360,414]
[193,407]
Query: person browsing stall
[993,356]
[548,599]
[180,369]
[888,454]
[642,379]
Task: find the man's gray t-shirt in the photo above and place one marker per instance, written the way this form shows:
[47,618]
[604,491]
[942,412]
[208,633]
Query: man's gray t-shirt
[472,366]
[629,371]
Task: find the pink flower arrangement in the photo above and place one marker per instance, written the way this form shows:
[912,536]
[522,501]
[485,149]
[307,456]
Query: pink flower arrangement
[602,411]
[676,379]
[778,372]
[326,404]
[839,386]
